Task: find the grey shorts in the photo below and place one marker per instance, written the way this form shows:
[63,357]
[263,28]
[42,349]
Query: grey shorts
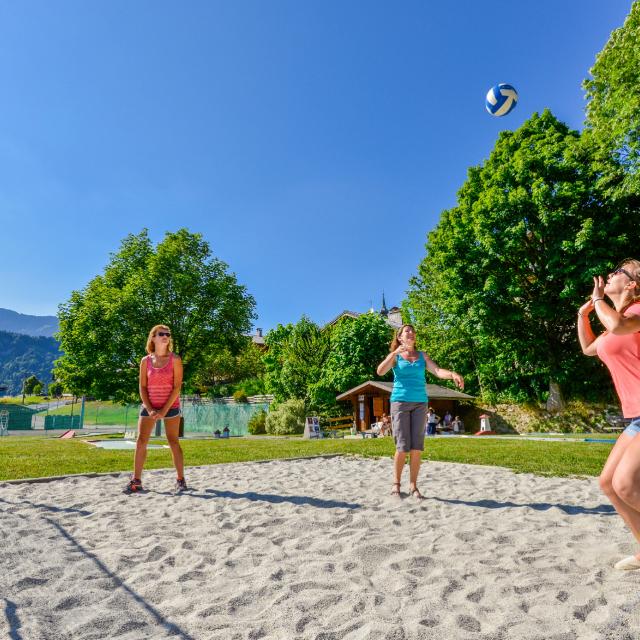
[633,429]
[408,420]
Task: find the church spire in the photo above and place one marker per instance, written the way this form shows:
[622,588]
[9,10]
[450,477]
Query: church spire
[384,312]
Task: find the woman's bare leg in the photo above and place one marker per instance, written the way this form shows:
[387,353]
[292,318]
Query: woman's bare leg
[415,460]
[625,484]
[145,425]
[172,429]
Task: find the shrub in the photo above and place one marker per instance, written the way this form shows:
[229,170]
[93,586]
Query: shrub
[257,423]
[240,396]
[287,418]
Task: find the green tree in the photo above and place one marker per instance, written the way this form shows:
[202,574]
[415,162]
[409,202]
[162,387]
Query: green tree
[613,109]
[55,389]
[295,358]
[224,367]
[505,270]
[178,282]
[30,384]
[358,345]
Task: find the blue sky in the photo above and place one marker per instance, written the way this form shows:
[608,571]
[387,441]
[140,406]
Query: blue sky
[313,143]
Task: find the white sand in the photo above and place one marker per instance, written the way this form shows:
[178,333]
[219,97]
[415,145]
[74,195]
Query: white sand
[315,549]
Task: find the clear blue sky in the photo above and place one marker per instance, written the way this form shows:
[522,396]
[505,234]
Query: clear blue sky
[313,143]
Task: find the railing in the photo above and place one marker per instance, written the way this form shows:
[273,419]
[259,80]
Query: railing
[343,422]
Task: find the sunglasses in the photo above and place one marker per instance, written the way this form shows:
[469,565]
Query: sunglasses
[162,334]
[621,270]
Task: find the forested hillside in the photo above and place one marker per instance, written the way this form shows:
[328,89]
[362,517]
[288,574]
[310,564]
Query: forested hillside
[23,356]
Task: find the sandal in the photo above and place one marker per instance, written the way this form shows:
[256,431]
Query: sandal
[415,493]
[396,490]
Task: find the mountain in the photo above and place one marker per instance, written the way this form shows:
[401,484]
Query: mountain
[23,356]
[27,325]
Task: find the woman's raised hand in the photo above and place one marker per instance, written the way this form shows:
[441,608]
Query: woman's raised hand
[598,287]
[586,308]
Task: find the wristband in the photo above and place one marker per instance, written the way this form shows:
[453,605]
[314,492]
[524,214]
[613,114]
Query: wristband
[594,300]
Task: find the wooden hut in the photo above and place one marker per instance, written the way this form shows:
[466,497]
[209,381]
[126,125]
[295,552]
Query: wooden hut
[370,400]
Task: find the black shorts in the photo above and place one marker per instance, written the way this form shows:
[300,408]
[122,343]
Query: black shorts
[172,413]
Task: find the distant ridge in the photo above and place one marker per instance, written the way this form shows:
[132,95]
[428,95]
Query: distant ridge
[28,325]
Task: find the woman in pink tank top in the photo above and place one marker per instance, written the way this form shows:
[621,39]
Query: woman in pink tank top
[160,383]
[619,348]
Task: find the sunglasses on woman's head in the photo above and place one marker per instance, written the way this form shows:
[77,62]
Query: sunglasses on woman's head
[162,334]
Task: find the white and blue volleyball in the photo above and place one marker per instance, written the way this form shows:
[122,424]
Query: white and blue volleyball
[501,99]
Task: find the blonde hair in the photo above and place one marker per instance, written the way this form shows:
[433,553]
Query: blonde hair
[633,267]
[395,343]
[151,345]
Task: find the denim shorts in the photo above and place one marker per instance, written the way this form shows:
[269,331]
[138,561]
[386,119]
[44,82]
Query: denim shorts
[634,427]
[172,413]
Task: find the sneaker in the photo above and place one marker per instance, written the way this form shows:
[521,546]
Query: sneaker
[133,486]
[181,485]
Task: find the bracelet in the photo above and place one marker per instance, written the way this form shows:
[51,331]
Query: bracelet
[581,315]
[594,300]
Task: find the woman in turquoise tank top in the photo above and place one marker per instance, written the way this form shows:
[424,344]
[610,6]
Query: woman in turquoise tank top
[409,402]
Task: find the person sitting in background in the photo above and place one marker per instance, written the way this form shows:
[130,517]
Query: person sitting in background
[385,425]
[457,425]
[446,421]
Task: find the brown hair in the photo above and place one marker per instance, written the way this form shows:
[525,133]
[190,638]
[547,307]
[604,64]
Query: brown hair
[151,345]
[395,343]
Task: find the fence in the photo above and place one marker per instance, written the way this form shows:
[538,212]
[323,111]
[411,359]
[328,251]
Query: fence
[201,415]
[207,416]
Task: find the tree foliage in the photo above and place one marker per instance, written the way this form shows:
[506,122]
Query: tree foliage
[295,358]
[358,345]
[178,282]
[30,385]
[22,356]
[227,367]
[613,110]
[495,297]
[286,418]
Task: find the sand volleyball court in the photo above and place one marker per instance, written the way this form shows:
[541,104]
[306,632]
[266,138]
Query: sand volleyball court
[315,549]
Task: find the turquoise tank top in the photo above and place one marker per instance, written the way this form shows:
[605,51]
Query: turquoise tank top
[409,383]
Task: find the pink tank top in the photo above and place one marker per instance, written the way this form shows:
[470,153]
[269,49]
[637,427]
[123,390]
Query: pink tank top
[621,354]
[160,384]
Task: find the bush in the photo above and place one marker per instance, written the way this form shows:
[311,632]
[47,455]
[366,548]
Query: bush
[240,396]
[257,422]
[287,418]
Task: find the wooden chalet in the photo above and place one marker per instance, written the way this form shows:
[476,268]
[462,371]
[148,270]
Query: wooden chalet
[370,400]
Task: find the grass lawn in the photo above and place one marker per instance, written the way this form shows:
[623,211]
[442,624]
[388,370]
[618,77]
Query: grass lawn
[27,400]
[31,457]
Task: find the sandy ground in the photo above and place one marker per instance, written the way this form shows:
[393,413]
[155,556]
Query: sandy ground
[315,549]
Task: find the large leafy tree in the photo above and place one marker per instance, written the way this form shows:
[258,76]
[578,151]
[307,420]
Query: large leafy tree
[178,282]
[295,358]
[229,366]
[358,345]
[613,110]
[505,270]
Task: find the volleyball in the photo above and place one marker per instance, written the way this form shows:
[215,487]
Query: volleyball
[501,99]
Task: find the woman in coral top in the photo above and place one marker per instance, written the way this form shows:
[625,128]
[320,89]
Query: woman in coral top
[619,348]
[160,382]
